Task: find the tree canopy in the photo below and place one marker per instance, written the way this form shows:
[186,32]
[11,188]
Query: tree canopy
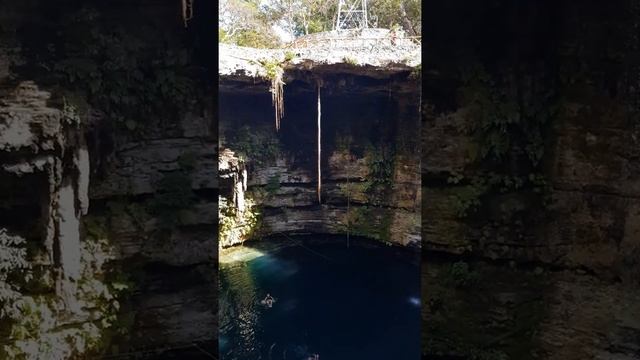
[256,23]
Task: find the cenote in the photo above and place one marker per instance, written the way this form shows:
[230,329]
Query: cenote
[342,162]
[360,302]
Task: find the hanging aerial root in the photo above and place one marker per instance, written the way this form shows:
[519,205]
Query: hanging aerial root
[319,146]
[277,96]
[187,11]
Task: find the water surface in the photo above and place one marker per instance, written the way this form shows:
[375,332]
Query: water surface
[356,303]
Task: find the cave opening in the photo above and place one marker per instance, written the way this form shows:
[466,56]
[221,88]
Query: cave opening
[369,150]
[302,239]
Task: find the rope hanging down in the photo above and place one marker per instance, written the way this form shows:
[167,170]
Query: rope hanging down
[319,82]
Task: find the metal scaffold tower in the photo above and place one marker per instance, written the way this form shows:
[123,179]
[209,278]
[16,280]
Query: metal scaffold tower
[352,14]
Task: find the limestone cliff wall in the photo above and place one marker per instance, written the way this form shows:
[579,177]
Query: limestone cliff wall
[593,188]
[169,251]
[119,217]
[366,189]
[582,212]
[530,216]
[45,176]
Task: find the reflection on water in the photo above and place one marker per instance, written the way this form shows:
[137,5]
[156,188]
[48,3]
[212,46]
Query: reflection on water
[237,303]
[415,301]
[356,303]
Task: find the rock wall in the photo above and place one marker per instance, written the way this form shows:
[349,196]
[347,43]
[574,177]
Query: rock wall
[529,220]
[281,182]
[170,251]
[526,313]
[166,254]
[44,172]
[593,180]
[589,162]
[135,271]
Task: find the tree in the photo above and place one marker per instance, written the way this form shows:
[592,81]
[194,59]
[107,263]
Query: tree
[302,17]
[250,22]
[389,13]
[244,23]
[13,266]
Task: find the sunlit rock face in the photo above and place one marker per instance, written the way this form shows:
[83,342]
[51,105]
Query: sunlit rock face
[369,162]
[111,212]
[45,171]
[34,140]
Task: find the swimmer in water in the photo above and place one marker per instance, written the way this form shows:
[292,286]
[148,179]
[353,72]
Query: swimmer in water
[268,300]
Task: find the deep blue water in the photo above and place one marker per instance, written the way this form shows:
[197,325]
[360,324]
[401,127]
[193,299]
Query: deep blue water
[356,303]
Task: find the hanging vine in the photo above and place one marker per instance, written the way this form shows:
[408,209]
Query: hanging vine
[319,84]
[277,95]
[275,72]
[187,11]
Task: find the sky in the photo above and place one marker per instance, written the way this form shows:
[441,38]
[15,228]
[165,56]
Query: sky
[278,28]
[281,33]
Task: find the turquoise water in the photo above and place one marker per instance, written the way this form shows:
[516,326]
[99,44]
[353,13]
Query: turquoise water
[355,303]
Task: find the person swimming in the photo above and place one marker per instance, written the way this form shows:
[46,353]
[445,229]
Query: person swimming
[268,300]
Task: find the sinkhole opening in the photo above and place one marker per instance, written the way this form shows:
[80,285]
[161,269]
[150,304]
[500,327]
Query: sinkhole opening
[319,218]
[345,159]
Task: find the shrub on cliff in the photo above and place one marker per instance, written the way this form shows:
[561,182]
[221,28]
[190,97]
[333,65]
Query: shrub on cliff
[14,269]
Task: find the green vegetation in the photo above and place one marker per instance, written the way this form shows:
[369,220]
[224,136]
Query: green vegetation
[244,23]
[472,190]
[258,147]
[249,22]
[289,56]
[15,270]
[468,197]
[274,72]
[505,129]
[253,38]
[96,227]
[30,319]
[349,60]
[379,184]
[234,226]
[508,148]
[273,185]
[138,79]
[371,222]
[273,68]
